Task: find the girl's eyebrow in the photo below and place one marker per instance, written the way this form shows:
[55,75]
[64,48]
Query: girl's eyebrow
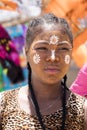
[47,42]
[41,41]
[67,42]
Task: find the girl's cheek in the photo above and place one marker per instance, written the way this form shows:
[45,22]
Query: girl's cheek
[36,58]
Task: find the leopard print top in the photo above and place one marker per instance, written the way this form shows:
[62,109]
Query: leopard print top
[14,118]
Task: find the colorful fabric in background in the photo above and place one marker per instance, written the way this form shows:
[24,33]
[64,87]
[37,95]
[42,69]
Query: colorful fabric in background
[13,73]
[79,86]
[8,5]
[17,34]
[1,78]
[15,31]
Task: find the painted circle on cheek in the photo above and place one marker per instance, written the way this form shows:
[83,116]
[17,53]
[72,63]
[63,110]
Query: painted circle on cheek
[67,59]
[36,58]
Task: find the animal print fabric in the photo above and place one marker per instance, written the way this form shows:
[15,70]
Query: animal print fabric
[13,118]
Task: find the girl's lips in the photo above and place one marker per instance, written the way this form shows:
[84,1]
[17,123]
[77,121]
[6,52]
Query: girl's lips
[52,70]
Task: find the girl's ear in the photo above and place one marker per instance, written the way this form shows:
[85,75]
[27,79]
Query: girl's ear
[25,52]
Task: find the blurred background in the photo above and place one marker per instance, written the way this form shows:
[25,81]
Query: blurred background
[14,18]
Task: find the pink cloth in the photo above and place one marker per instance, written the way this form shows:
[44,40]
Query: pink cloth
[79,86]
[3,33]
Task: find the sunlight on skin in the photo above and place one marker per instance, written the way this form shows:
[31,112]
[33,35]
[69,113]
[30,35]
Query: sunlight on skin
[55,41]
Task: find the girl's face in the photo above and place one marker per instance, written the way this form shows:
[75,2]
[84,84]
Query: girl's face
[49,56]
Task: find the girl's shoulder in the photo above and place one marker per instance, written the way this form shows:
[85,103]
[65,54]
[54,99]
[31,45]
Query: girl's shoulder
[76,100]
[10,94]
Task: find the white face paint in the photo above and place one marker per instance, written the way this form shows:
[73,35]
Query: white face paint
[54,40]
[36,58]
[67,59]
[64,42]
[53,54]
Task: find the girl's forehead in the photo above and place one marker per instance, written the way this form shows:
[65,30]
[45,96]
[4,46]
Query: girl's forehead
[48,34]
[52,39]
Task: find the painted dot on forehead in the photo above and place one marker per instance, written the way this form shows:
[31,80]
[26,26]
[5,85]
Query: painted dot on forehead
[54,40]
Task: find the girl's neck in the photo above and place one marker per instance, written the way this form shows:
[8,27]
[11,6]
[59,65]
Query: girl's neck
[47,91]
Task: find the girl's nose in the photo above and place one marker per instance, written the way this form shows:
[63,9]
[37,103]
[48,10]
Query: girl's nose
[53,56]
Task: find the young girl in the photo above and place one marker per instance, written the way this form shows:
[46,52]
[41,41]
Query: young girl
[45,103]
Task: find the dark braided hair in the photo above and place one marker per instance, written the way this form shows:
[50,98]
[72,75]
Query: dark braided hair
[34,98]
[37,25]
[64,102]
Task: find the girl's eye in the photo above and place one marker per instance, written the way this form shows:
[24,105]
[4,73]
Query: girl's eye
[41,48]
[64,49]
